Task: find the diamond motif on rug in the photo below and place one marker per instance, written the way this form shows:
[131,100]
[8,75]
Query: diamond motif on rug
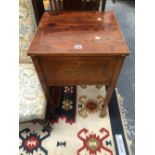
[94,143]
[67,108]
[32,141]
[88,106]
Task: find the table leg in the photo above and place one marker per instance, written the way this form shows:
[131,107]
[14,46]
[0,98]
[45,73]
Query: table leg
[112,85]
[50,108]
[107,98]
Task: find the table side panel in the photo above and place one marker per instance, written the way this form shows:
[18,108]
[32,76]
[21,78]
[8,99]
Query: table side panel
[78,70]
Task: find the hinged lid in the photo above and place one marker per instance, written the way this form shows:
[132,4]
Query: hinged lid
[78,33]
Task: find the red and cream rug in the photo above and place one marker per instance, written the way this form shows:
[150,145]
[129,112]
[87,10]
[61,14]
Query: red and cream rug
[79,130]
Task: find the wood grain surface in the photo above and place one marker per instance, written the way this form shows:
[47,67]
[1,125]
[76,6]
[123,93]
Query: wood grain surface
[78,34]
[78,70]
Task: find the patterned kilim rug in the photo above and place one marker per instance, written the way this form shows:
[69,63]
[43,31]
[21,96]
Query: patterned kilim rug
[79,130]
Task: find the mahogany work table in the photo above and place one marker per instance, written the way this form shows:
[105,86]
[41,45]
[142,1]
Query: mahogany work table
[73,48]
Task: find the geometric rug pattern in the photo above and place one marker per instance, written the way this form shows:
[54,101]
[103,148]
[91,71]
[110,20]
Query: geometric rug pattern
[79,129]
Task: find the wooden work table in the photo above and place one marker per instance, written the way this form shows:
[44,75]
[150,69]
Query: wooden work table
[78,48]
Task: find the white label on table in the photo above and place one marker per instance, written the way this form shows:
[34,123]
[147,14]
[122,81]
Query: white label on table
[97,37]
[120,144]
[99,19]
[77,46]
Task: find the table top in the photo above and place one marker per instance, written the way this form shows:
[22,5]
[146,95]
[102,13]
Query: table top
[78,34]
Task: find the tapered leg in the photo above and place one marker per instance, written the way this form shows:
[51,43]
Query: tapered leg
[50,108]
[107,98]
[112,84]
